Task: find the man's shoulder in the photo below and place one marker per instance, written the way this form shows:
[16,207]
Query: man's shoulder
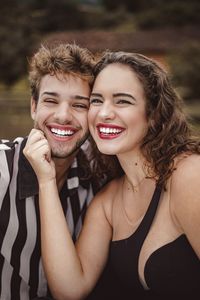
[6,145]
[8,149]
[9,145]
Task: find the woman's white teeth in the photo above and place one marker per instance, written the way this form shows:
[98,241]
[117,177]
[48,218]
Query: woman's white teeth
[62,132]
[109,130]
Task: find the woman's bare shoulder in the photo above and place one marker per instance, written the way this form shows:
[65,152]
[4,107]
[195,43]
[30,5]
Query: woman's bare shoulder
[187,167]
[185,188]
[110,190]
[107,195]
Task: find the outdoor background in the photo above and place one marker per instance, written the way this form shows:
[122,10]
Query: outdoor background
[168,31]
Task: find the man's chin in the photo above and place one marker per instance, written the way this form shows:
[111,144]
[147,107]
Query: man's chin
[69,154]
[64,156]
[58,155]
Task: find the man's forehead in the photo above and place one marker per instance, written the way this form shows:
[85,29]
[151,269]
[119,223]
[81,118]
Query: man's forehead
[53,85]
[63,79]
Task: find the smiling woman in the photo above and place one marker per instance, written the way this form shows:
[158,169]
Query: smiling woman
[120,108]
[145,222]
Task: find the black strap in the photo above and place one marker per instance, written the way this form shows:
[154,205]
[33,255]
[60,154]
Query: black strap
[144,227]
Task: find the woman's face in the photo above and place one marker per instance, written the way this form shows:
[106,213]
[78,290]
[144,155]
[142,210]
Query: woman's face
[117,114]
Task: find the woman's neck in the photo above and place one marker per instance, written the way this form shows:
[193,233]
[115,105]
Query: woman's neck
[134,166]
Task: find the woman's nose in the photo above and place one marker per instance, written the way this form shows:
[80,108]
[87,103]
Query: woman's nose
[107,111]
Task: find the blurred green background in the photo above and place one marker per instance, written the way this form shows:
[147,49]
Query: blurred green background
[168,31]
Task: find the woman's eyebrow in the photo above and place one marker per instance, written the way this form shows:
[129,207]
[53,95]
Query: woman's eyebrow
[96,94]
[124,94]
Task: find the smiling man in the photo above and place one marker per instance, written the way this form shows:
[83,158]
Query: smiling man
[60,78]
[64,123]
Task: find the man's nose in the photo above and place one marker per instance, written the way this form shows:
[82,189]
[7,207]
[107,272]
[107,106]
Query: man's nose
[63,114]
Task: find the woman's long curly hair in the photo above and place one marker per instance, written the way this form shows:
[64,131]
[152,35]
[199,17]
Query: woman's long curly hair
[168,133]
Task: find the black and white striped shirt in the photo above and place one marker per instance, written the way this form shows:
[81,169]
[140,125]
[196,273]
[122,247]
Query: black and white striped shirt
[21,271]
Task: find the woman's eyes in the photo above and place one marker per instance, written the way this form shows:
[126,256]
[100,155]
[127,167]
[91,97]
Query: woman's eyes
[95,101]
[123,101]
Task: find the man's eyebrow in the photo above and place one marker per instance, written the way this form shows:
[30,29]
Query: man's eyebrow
[124,94]
[79,97]
[50,94]
[54,94]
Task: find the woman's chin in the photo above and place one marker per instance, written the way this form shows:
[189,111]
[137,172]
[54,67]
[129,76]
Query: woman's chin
[107,151]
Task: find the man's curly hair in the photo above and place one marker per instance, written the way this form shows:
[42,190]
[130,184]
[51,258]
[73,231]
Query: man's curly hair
[60,58]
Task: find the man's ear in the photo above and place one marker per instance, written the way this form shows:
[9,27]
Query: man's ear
[33,108]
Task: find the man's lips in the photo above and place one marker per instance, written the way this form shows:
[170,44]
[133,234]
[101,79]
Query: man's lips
[109,131]
[62,131]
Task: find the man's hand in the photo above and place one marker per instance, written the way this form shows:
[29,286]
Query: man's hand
[38,153]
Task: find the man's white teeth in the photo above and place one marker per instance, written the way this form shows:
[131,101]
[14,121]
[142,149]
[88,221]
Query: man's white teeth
[62,132]
[109,130]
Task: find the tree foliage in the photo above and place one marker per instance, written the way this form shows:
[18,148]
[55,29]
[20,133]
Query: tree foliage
[24,22]
[16,37]
[171,13]
[185,66]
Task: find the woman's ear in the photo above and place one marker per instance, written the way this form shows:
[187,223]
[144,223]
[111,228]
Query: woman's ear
[33,108]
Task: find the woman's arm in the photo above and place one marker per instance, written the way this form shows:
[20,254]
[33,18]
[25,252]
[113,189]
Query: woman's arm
[71,272]
[185,199]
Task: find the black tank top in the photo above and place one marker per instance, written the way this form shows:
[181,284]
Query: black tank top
[173,269]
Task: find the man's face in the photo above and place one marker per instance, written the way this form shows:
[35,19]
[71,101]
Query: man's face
[61,112]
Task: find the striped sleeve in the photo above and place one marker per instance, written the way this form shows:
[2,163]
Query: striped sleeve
[21,271]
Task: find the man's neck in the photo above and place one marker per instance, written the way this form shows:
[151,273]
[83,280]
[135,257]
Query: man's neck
[62,167]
